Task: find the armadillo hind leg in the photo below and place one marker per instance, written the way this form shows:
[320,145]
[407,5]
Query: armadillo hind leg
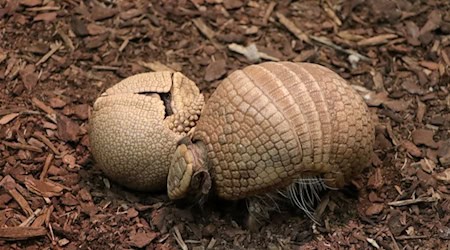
[259,209]
[304,193]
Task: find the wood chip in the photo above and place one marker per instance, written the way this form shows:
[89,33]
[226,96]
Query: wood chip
[43,106]
[269,11]
[53,49]
[8,118]
[46,141]
[376,40]
[17,145]
[203,28]
[22,202]
[48,161]
[21,233]
[156,66]
[43,188]
[291,27]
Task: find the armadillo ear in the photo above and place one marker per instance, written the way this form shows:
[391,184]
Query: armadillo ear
[201,180]
[180,173]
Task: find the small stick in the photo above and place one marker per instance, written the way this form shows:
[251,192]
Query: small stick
[179,239]
[269,11]
[47,163]
[104,67]
[22,202]
[412,237]
[393,239]
[47,142]
[53,48]
[66,39]
[31,218]
[15,145]
[124,44]
[293,28]
[42,106]
[44,8]
[206,31]
[21,233]
[328,43]
[412,201]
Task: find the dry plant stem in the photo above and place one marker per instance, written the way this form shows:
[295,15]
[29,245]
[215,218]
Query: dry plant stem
[412,201]
[22,202]
[21,233]
[47,142]
[179,239]
[53,49]
[304,37]
[48,161]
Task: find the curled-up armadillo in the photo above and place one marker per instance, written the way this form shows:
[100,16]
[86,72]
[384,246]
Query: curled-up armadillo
[136,124]
[275,127]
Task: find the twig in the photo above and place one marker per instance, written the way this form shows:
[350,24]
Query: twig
[47,163]
[393,239]
[156,66]
[211,243]
[268,12]
[22,202]
[16,145]
[53,48]
[179,239]
[292,28]
[206,31]
[323,40]
[47,142]
[66,39]
[21,233]
[412,201]
[412,237]
[31,218]
[327,42]
[124,44]
[44,8]
[105,67]
[42,106]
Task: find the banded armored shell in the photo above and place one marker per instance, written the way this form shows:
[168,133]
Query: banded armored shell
[136,124]
[270,126]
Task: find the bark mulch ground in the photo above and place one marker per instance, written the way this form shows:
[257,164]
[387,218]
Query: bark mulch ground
[57,57]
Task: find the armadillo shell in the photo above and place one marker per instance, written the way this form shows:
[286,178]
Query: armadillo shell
[270,124]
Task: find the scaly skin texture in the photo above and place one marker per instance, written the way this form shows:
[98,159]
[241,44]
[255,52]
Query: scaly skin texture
[270,124]
[132,137]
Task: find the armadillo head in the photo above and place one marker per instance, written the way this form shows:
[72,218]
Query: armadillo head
[188,173]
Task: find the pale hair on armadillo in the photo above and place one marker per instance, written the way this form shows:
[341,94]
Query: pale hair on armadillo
[276,127]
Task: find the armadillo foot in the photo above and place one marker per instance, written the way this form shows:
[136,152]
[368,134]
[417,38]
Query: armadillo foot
[259,210]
